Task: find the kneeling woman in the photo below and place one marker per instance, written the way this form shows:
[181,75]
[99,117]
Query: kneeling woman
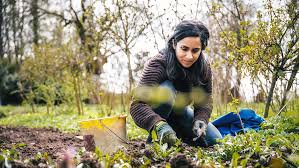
[183,111]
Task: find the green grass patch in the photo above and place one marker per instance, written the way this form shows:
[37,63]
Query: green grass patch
[65,118]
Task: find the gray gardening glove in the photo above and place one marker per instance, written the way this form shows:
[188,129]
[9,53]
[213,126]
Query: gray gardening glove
[165,133]
[199,129]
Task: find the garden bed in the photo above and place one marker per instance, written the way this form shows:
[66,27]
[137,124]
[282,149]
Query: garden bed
[275,145]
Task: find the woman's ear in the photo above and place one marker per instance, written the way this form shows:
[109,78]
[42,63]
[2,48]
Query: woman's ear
[173,44]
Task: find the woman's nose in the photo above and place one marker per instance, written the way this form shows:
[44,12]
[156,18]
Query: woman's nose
[189,55]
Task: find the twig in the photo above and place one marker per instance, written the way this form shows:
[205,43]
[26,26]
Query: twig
[114,133]
[241,122]
[285,105]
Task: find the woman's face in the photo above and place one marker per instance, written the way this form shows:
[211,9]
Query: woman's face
[188,50]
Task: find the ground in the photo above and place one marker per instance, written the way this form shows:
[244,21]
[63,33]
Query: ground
[32,141]
[35,143]
[40,147]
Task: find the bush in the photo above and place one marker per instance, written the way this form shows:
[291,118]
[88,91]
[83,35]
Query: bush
[8,83]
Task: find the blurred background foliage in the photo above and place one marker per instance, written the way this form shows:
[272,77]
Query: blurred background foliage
[77,53]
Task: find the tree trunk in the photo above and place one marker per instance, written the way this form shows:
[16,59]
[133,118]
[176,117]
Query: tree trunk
[226,91]
[31,101]
[76,94]
[35,21]
[7,36]
[22,43]
[270,94]
[121,100]
[131,79]
[290,83]
[32,107]
[1,31]
[15,28]
[237,91]
[48,108]
[80,95]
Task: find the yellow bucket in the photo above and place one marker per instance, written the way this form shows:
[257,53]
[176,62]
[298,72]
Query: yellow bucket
[109,133]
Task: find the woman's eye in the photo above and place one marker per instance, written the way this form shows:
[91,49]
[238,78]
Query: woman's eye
[184,49]
[195,50]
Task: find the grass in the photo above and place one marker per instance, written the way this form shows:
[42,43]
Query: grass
[66,119]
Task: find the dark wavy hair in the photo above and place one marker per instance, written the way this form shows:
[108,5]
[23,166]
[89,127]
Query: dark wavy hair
[198,72]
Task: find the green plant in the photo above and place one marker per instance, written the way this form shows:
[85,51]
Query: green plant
[162,151]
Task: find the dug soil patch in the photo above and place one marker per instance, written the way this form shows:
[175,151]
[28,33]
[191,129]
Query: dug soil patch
[41,140]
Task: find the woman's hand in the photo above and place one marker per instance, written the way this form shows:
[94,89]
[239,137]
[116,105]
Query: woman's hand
[165,133]
[199,128]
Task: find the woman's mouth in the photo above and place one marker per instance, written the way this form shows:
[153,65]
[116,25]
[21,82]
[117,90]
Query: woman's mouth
[188,61]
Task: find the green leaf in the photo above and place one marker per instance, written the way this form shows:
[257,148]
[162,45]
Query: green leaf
[1,158]
[154,135]
[21,145]
[199,153]
[178,143]
[294,158]
[234,162]
[167,165]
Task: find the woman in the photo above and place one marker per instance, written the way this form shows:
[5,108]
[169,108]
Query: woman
[183,72]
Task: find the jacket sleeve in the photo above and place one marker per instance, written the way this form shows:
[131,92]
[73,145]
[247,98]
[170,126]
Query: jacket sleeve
[153,74]
[203,110]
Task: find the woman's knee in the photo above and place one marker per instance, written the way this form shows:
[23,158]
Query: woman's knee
[212,134]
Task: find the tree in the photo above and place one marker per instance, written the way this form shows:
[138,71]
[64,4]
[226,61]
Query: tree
[55,72]
[8,83]
[131,25]
[232,19]
[13,16]
[1,30]
[92,29]
[273,48]
[35,20]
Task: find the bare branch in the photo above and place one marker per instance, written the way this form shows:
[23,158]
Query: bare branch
[56,14]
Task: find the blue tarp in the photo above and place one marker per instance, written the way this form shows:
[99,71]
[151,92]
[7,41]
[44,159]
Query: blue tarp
[230,123]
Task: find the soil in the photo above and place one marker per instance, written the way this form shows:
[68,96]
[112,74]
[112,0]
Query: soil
[29,143]
[45,140]
[60,146]
[41,147]
[180,161]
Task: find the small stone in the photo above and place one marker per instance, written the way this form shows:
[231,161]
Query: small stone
[148,153]
[180,161]
[142,145]
[135,163]
[89,143]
